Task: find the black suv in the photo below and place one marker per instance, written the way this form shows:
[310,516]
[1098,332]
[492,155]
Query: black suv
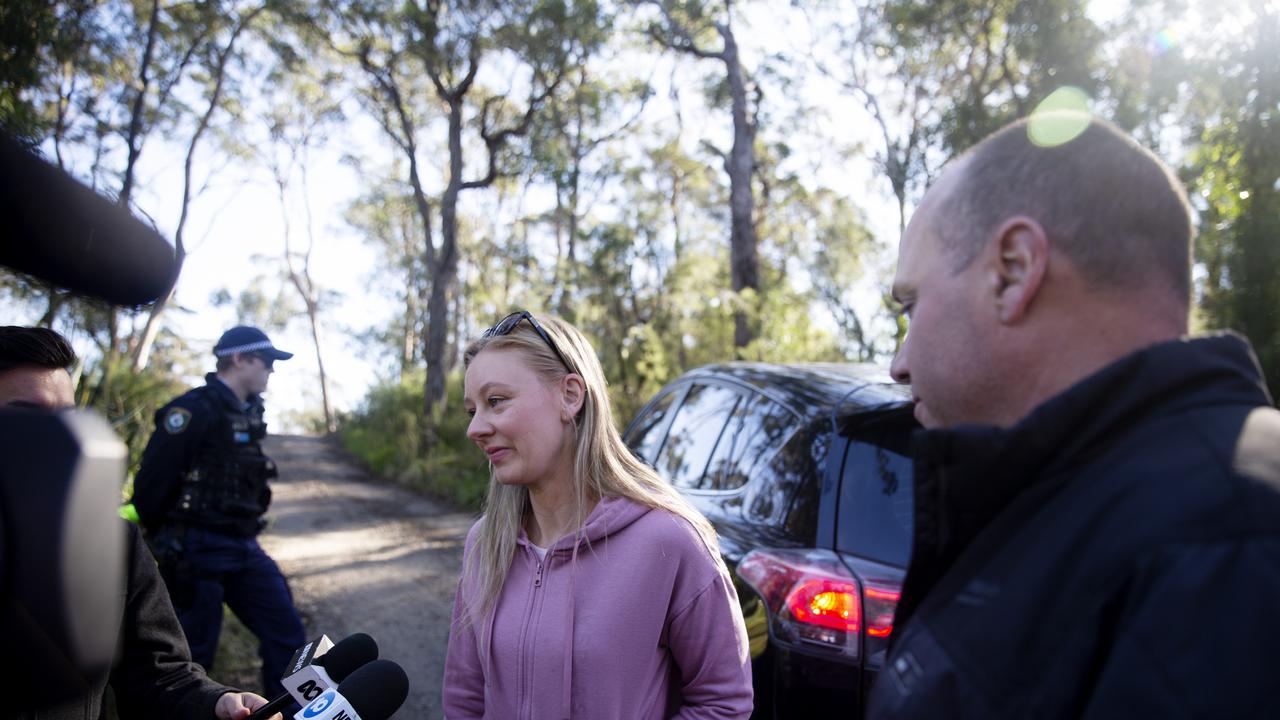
[804,471]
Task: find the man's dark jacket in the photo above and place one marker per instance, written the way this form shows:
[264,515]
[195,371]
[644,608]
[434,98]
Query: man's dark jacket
[1115,554]
[152,677]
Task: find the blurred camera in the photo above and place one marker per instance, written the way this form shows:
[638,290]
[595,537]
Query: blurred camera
[62,545]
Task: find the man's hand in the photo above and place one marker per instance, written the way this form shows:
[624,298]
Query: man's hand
[238,705]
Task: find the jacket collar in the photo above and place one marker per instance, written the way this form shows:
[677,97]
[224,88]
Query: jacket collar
[966,476]
[226,395]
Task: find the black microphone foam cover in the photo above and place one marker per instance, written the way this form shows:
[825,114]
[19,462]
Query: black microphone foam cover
[376,690]
[347,655]
[57,229]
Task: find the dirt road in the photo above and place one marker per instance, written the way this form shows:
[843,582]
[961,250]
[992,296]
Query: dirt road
[364,555]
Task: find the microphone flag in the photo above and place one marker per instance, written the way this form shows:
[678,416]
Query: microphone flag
[305,680]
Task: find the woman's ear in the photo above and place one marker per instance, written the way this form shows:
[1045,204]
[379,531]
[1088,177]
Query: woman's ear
[573,392]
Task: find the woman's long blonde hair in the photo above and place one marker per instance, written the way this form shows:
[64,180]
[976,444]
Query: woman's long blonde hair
[603,466]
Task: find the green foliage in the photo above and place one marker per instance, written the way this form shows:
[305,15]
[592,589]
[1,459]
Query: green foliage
[385,434]
[602,205]
[25,27]
[1234,175]
[262,304]
[129,401]
[990,61]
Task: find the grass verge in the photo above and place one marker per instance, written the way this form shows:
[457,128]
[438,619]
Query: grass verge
[237,663]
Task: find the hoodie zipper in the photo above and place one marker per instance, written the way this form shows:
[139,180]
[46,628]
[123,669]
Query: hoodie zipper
[526,647]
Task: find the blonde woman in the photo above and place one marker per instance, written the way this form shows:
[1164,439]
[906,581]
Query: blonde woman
[590,589]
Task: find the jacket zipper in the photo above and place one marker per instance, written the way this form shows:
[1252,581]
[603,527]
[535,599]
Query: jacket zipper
[526,647]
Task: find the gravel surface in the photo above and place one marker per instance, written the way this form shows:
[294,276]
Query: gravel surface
[365,555]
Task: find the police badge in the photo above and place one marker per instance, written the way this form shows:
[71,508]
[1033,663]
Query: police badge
[176,420]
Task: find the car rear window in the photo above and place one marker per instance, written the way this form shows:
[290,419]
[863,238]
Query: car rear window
[757,429]
[876,511]
[647,432]
[695,429]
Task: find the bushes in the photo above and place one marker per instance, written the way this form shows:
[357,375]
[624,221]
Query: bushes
[386,434]
[129,401]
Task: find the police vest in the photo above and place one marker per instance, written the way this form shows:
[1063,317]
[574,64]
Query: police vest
[226,487]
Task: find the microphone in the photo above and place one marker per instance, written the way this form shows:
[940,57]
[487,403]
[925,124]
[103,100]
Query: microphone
[318,666]
[58,230]
[373,692]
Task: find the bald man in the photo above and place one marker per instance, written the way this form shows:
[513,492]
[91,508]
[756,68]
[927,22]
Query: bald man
[1098,495]
[153,676]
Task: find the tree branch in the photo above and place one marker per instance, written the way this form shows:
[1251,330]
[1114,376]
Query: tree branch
[678,37]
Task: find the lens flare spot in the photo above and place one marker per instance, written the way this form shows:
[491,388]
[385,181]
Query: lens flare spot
[1059,118]
[1163,41]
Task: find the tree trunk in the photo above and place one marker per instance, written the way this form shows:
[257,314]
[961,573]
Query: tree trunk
[139,102]
[142,353]
[442,277]
[330,425]
[740,163]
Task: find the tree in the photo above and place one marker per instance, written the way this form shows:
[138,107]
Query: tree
[687,27]
[1234,175]
[35,38]
[112,74]
[448,44]
[992,61]
[590,111]
[386,217]
[217,80]
[891,82]
[297,116]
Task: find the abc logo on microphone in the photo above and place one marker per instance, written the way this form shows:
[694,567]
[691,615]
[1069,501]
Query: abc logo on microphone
[320,704]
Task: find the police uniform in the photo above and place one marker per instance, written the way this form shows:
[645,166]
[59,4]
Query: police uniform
[201,494]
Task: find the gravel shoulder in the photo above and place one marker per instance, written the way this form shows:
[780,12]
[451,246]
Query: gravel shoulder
[365,555]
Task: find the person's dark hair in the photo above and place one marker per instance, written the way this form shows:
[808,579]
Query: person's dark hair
[34,347]
[224,363]
[1110,205]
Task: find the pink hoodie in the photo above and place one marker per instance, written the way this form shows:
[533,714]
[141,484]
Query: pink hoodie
[635,621]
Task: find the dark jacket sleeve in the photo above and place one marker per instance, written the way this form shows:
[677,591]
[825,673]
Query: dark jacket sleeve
[1199,637]
[153,676]
[167,457]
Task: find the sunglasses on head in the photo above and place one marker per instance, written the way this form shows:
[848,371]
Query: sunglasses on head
[509,323]
[267,362]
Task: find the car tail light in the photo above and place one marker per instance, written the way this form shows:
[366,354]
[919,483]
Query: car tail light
[814,599]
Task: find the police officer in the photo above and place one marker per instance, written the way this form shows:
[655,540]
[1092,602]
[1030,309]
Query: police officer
[201,495]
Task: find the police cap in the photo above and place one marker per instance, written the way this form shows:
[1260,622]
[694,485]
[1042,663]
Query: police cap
[246,339]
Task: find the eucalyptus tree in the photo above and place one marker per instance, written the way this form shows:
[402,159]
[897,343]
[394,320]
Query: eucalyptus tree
[39,39]
[112,75]
[599,103]
[704,30]
[445,46]
[299,111]
[1233,170]
[987,62]
[219,55]
[386,217]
